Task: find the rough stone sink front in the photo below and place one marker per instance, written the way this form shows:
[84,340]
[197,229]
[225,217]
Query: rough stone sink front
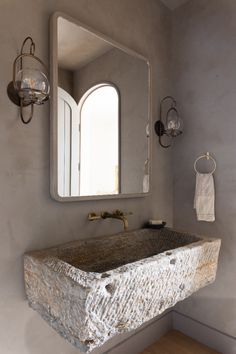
[90,290]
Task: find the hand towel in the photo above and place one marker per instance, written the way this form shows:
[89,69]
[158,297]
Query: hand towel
[204,200]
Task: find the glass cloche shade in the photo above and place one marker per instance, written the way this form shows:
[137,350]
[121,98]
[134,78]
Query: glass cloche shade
[174,125]
[32,86]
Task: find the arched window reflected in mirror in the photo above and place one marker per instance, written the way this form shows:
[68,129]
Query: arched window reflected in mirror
[99,141]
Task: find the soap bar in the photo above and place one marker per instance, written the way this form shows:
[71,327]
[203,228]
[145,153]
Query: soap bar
[158,225]
[155,222]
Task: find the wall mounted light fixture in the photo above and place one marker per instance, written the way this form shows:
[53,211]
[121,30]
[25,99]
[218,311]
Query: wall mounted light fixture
[172,125]
[30,85]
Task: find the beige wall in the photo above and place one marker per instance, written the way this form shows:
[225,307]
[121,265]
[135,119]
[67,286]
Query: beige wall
[204,58]
[29,218]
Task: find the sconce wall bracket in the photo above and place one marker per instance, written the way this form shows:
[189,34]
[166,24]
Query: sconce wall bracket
[159,128]
[13,95]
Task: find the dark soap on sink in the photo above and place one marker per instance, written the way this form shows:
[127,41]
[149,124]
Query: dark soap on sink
[147,225]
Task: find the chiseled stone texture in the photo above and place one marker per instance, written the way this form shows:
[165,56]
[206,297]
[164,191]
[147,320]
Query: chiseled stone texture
[88,291]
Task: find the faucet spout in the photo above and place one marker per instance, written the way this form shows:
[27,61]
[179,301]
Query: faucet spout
[116,215]
[125,222]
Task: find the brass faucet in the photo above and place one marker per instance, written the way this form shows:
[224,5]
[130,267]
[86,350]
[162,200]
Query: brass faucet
[117,214]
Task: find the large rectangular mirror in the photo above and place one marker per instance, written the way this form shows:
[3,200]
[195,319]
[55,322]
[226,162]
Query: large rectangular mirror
[100,115]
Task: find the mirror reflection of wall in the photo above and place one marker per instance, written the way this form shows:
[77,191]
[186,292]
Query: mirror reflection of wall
[102,116]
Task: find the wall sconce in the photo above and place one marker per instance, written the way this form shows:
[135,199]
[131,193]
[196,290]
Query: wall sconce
[29,85]
[172,125]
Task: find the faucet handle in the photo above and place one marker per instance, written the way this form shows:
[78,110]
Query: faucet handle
[118,212]
[121,213]
[93,216]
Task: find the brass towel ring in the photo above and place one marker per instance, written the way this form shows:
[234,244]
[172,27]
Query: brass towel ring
[208,157]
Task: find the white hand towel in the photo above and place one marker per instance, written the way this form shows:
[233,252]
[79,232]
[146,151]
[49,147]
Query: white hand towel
[204,200]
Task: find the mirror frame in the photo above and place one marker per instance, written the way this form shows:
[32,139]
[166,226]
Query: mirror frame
[53,111]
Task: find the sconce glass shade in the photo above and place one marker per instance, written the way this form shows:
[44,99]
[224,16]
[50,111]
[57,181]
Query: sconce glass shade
[174,125]
[32,86]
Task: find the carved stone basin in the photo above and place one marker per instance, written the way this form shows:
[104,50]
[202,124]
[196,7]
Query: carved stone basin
[90,290]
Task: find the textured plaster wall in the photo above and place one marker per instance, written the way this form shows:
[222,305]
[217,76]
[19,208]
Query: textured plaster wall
[65,80]
[204,57]
[29,218]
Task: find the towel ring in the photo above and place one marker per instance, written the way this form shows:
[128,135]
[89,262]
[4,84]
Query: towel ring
[208,157]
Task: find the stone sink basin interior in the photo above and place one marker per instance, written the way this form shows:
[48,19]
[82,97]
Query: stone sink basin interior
[103,254]
[91,290]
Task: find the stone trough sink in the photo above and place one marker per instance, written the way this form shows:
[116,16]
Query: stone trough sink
[90,290]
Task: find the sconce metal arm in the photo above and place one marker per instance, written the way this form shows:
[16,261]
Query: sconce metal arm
[22,115]
[162,145]
[32,48]
[32,45]
[164,99]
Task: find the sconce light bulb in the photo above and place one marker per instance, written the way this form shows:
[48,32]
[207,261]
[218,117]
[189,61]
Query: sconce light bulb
[173,123]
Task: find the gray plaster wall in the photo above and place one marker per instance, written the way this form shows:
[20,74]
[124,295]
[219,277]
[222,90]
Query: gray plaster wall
[29,218]
[204,77]
[131,77]
[65,80]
